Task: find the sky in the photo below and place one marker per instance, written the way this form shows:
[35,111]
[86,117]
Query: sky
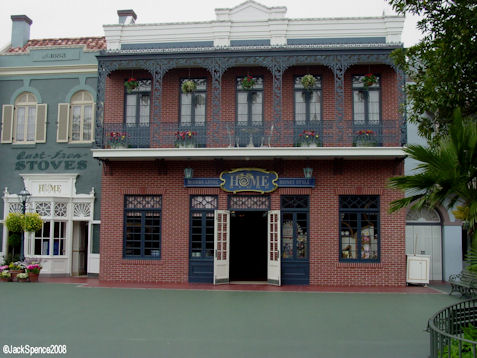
[68,18]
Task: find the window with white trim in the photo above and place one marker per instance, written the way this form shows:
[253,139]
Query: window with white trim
[25,121]
[76,119]
[51,239]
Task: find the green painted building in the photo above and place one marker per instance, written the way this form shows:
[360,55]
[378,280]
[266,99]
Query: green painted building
[47,94]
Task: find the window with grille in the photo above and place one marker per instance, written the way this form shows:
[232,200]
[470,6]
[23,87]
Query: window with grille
[295,225]
[142,226]
[359,228]
[202,226]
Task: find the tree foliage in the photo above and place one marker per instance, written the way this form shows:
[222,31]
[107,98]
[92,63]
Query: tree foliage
[446,175]
[442,67]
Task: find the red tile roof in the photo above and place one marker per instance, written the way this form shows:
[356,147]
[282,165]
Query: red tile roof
[90,43]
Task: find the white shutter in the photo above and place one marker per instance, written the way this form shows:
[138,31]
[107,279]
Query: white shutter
[93,121]
[7,123]
[63,125]
[41,123]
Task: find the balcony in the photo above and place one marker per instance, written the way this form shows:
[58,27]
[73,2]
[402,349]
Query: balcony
[236,135]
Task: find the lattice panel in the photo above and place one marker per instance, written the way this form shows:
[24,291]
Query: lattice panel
[204,202]
[423,215]
[238,202]
[43,208]
[294,202]
[143,202]
[82,210]
[61,209]
[359,202]
[15,208]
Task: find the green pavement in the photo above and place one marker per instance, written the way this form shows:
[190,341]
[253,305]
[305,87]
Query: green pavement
[117,322]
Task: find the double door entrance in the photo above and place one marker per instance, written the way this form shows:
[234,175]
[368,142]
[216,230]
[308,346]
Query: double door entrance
[246,246]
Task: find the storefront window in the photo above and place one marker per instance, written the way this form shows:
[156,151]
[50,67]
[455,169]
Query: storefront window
[295,217]
[202,226]
[142,226]
[50,240]
[359,228]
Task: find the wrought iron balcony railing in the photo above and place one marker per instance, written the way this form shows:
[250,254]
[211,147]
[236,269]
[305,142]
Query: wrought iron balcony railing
[388,133]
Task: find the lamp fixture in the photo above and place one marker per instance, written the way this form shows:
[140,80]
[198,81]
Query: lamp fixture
[188,172]
[308,172]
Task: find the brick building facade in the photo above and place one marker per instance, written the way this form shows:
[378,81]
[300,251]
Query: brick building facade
[255,174]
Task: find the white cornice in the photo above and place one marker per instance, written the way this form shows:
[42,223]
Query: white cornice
[48,70]
[264,153]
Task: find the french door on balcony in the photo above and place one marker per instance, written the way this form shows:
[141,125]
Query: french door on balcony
[137,114]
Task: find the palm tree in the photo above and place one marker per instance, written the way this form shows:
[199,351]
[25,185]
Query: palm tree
[446,175]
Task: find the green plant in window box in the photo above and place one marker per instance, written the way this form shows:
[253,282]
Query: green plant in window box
[308,82]
[5,275]
[188,86]
[309,138]
[365,138]
[247,82]
[131,84]
[22,277]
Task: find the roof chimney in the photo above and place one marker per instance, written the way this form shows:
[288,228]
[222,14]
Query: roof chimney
[127,15]
[20,30]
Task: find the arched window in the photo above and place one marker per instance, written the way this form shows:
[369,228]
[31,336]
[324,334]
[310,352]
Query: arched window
[75,119]
[25,115]
[25,122]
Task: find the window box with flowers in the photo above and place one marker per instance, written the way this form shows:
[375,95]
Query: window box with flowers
[309,138]
[365,138]
[5,275]
[16,268]
[131,84]
[34,271]
[185,139]
[117,140]
[22,277]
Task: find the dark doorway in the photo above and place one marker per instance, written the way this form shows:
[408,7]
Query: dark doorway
[248,246]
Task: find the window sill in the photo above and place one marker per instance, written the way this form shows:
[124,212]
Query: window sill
[141,261]
[23,145]
[80,145]
[359,264]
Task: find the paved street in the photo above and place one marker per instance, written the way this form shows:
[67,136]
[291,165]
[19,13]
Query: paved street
[131,322]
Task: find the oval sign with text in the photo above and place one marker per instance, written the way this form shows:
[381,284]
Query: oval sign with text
[249,179]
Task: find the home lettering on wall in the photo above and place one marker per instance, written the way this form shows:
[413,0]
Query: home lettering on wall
[51,161]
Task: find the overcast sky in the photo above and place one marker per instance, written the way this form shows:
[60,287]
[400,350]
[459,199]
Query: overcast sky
[68,18]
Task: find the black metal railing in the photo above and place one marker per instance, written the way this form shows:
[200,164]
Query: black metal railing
[446,329]
[270,134]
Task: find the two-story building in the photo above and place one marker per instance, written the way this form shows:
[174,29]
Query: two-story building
[252,147]
[48,95]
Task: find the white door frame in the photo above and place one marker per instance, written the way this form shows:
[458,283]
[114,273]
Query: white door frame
[221,246]
[273,248]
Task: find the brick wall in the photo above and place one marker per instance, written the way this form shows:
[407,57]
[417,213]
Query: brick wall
[357,177]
